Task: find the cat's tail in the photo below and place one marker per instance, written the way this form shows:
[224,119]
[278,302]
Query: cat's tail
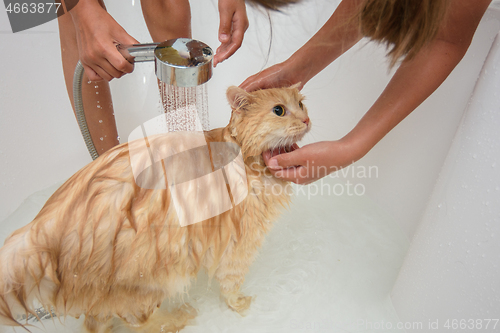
[27,274]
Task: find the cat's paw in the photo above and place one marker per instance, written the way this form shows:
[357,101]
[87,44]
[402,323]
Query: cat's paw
[164,321]
[239,302]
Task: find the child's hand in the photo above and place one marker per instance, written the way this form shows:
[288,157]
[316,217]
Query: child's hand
[311,162]
[233,24]
[97,34]
[276,76]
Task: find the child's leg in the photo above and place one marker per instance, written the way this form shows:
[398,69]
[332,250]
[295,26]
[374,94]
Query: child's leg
[96,95]
[167,19]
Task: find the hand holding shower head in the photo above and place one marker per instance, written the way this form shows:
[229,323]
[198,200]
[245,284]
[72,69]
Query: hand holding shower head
[180,62]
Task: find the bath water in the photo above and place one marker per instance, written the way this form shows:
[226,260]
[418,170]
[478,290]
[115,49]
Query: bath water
[186,108]
[327,265]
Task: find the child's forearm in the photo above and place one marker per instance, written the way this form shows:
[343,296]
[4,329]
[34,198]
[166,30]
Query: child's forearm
[417,79]
[412,83]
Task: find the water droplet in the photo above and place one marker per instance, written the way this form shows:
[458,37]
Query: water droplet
[76,275]
[100,121]
[97,93]
[118,138]
[98,106]
[96,87]
[140,274]
[101,138]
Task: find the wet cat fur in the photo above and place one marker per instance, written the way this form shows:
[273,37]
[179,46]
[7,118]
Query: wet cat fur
[104,247]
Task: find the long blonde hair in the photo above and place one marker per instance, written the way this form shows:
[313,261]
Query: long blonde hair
[405,26]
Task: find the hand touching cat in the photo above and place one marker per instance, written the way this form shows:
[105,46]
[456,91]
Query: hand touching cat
[311,162]
[277,76]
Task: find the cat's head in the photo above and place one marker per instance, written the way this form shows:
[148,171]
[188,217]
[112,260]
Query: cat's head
[267,119]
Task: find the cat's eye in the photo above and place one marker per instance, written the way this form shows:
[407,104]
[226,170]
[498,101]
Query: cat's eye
[279,110]
[301,105]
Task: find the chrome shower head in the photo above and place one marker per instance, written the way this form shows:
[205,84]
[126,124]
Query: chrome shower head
[180,62]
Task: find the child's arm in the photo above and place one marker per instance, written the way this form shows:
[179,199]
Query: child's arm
[336,36]
[413,82]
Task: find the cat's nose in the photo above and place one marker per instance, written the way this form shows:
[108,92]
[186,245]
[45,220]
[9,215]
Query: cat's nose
[306,121]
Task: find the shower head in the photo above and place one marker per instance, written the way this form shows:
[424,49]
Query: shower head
[180,62]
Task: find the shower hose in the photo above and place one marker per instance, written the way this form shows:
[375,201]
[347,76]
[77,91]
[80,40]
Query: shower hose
[80,114]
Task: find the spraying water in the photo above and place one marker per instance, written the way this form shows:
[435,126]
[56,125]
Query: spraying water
[186,108]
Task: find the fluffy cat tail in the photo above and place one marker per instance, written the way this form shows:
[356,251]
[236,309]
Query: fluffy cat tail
[26,275]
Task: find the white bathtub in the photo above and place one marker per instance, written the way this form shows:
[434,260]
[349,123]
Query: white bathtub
[434,178]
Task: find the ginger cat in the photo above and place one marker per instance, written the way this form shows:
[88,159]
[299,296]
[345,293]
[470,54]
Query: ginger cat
[105,247]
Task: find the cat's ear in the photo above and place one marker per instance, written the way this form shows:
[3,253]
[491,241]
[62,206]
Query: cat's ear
[297,85]
[237,97]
